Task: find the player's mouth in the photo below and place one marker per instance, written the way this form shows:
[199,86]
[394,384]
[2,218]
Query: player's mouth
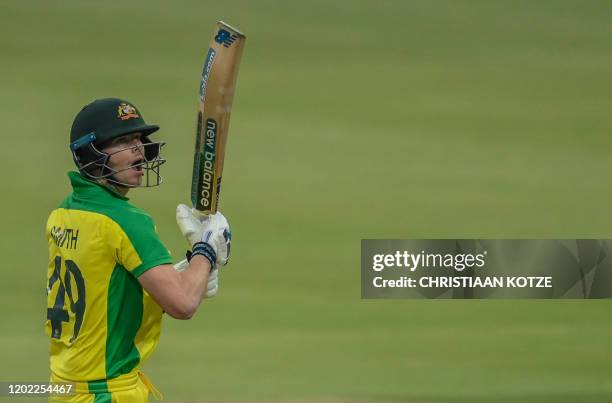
[137,165]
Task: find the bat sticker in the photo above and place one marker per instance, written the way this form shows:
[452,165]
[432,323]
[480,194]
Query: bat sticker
[208,63]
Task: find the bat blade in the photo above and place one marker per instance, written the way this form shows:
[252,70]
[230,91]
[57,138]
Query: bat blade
[216,93]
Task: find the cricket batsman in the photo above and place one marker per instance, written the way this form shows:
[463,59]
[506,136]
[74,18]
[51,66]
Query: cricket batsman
[110,277]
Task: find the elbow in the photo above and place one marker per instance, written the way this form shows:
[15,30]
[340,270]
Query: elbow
[183,310]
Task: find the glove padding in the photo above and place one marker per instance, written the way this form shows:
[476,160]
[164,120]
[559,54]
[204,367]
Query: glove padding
[212,287]
[212,229]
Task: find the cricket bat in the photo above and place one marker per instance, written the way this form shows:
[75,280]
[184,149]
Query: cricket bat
[216,94]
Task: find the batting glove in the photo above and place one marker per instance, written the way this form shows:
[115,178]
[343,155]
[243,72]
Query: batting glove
[209,235]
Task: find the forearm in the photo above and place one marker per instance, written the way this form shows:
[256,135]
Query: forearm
[194,279]
[178,293]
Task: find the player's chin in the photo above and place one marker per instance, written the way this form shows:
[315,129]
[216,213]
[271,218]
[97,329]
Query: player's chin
[134,176]
[137,180]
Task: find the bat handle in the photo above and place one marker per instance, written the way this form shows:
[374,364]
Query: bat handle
[198,213]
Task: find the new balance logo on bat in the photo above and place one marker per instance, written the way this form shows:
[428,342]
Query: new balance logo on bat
[225,38]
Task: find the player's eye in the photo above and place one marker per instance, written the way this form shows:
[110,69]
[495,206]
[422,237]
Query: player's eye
[127,140]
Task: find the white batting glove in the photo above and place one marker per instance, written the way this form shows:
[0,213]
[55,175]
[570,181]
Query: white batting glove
[201,230]
[212,287]
[213,284]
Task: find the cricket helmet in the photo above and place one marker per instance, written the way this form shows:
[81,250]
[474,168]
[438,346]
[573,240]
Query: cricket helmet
[106,119]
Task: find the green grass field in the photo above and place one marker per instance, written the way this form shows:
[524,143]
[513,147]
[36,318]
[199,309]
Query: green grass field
[352,119]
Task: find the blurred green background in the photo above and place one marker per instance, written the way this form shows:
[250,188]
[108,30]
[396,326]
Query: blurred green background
[352,119]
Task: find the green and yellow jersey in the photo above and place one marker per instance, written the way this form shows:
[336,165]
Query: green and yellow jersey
[100,321]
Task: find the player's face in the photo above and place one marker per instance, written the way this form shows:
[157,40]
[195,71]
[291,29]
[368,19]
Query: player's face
[126,151]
